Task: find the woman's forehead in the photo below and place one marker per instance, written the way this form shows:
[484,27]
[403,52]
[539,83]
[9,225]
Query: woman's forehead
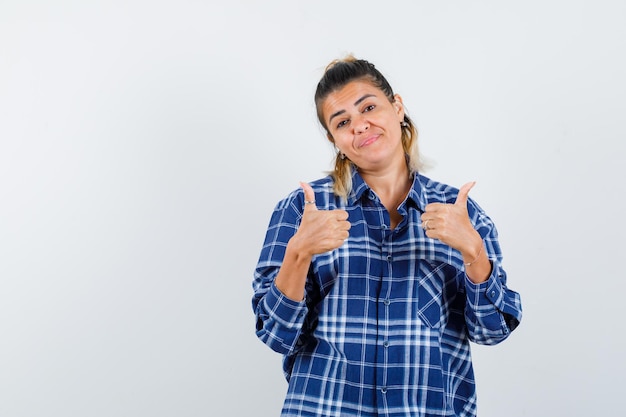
[351,94]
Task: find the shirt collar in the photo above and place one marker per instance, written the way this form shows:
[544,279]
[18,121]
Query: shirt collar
[359,187]
[417,193]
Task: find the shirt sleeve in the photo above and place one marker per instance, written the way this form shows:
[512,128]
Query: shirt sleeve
[492,310]
[279,320]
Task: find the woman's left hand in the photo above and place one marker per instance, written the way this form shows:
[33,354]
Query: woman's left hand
[450,223]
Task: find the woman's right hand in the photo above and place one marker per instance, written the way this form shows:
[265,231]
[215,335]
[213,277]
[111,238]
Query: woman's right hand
[320,230]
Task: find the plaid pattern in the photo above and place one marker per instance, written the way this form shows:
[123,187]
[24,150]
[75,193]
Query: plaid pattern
[385,326]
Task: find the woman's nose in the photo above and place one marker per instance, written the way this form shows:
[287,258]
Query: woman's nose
[360,125]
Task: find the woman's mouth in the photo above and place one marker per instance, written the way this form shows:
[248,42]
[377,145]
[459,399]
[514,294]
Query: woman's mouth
[368,140]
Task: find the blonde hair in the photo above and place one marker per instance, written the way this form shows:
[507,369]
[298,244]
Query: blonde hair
[339,73]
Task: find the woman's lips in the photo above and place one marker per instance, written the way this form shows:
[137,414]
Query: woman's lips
[368,140]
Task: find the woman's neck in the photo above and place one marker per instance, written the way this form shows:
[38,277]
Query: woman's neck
[391,186]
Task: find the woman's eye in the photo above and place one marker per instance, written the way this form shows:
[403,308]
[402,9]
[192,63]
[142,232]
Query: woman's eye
[342,123]
[369,108]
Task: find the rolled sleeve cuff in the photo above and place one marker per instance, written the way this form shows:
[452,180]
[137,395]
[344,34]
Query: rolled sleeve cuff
[486,293]
[286,312]
[484,310]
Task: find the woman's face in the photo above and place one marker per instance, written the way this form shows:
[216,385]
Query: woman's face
[364,125]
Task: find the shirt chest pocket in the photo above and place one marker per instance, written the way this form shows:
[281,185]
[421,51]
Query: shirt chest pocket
[430,294]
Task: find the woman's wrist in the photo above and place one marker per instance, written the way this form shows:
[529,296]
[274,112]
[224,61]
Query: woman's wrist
[475,257]
[476,262]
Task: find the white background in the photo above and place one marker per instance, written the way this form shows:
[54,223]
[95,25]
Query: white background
[143,145]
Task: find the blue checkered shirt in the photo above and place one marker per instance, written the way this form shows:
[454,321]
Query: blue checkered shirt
[387,318]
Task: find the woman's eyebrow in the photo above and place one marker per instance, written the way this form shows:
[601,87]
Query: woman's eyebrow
[356,103]
[335,115]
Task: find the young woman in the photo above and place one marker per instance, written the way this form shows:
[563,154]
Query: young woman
[373,281]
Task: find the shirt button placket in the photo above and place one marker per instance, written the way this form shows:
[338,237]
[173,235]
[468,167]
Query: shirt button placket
[386,252]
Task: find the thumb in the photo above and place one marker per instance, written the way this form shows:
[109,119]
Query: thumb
[461,199]
[309,196]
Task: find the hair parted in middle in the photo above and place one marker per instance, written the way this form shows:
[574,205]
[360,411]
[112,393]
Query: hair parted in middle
[338,74]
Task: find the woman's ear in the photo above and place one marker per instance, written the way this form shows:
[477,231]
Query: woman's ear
[330,138]
[399,105]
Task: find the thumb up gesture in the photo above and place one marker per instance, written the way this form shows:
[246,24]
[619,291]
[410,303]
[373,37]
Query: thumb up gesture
[320,230]
[450,223]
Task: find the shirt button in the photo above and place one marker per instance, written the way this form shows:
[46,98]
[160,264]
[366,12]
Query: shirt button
[386,302]
[386,343]
[383,390]
[493,293]
[384,227]
[389,257]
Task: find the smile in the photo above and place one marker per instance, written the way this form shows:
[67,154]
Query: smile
[368,141]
